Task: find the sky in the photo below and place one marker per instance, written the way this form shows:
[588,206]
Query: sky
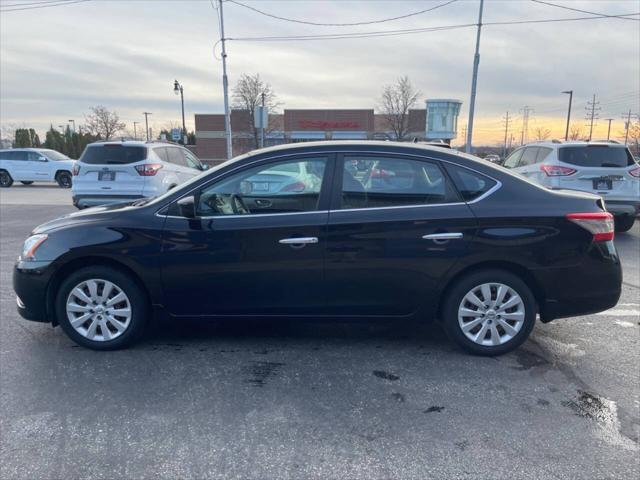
[57,62]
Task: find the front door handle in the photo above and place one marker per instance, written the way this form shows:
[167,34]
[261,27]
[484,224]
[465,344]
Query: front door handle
[298,242]
[443,237]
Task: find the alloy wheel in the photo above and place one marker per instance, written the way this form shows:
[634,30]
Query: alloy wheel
[491,314]
[5,179]
[98,310]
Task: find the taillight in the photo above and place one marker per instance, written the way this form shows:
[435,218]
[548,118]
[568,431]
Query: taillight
[294,187]
[75,170]
[148,169]
[600,224]
[557,171]
[635,172]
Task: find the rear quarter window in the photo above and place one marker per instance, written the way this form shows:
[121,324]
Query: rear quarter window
[471,185]
[596,156]
[113,154]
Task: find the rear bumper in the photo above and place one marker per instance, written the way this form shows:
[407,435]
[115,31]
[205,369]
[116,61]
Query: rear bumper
[85,201]
[592,286]
[623,207]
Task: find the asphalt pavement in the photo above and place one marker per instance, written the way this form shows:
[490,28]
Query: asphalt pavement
[287,399]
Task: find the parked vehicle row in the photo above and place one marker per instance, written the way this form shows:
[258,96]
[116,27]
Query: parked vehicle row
[603,168]
[420,233]
[28,165]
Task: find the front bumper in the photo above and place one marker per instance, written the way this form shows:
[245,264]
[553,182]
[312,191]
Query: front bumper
[86,201]
[30,282]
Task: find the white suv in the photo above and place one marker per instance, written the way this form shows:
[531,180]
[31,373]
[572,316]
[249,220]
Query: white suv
[113,172]
[605,168]
[28,165]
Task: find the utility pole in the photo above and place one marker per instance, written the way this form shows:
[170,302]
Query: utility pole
[464,135]
[526,111]
[592,108]
[566,132]
[474,81]
[225,86]
[146,123]
[135,135]
[507,120]
[609,129]
[627,124]
[74,125]
[262,122]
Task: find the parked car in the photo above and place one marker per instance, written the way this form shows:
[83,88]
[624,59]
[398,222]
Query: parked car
[460,240]
[603,168]
[493,158]
[112,172]
[28,165]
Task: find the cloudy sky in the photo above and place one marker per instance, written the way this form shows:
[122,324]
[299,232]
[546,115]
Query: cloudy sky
[58,61]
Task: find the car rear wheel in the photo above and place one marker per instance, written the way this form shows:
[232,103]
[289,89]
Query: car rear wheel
[101,308]
[5,179]
[624,223]
[489,312]
[25,182]
[64,179]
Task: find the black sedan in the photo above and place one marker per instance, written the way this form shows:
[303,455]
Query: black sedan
[418,232]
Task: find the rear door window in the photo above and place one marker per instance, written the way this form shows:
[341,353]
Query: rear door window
[162,153]
[471,185]
[113,154]
[543,153]
[176,157]
[529,156]
[596,156]
[393,182]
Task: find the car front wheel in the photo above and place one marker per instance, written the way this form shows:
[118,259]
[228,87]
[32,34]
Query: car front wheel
[101,308]
[489,312]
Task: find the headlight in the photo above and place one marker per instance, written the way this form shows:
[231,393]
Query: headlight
[31,244]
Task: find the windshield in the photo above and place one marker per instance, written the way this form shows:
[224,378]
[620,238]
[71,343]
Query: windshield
[113,154]
[55,156]
[596,156]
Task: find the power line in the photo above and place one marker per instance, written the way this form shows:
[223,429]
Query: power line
[45,5]
[318,24]
[408,31]
[582,11]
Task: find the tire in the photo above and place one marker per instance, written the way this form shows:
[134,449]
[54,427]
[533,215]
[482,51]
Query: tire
[624,223]
[5,179]
[122,331]
[64,179]
[491,320]
[26,183]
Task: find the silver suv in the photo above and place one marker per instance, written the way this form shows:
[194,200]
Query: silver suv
[605,168]
[113,172]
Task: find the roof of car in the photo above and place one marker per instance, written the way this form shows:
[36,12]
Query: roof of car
[332,144]
[140,143]
[579,143]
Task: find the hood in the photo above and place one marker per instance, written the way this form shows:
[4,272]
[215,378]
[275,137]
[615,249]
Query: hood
[89,215]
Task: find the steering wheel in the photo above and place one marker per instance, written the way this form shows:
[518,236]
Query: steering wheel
[237,205]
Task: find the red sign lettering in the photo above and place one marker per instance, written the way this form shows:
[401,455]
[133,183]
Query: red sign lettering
[324,125]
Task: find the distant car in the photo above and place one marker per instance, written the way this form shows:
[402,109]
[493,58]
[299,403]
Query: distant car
[113,172]
[493,158]
[604,168]
[28,165]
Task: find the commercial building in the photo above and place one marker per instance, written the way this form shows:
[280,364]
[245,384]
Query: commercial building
[295,125]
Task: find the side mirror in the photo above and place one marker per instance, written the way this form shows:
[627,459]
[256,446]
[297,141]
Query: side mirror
[187,206]
[43,159]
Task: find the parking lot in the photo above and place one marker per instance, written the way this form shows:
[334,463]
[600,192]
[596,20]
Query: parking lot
[274,399]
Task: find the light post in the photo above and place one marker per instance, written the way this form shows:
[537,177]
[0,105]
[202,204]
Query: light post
[177,88]
[74,124]
[146,123]
[135,134]
[566,132]
[62,127]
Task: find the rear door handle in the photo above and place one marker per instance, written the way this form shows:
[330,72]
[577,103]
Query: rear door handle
[298,241]
[443,237]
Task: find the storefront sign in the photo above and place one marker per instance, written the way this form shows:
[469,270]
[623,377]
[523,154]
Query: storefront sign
[326,125]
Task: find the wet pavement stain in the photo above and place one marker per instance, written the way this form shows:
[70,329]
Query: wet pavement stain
[259,372]
[591,406]
[398,397]
[386,375]
[434,408]
[542,402]
[528,360]
[462,445]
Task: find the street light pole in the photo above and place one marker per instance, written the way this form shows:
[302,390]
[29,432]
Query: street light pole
[177,88]
[566,132]
[474,82]
[146,123]
[74,125]
[225,86]
[135,135]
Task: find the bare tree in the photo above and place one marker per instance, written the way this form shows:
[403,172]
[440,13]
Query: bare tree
[542,133]
[575,132]
[247,95]
[104,123]
[395,103]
